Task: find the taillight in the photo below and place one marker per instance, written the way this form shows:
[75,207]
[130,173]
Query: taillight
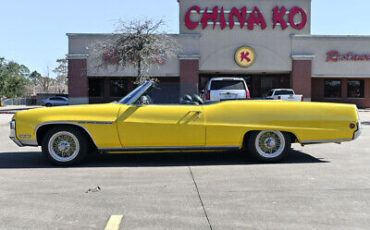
[208,95]
[302,98]
[248,94]
[279,98]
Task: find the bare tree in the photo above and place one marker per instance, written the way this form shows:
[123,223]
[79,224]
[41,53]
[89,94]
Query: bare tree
[46,82]
[139,44]
[61,71]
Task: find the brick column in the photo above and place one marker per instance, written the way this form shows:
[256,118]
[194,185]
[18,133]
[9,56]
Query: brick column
[189,75]
[78,88]
[317,91]
[367,88]
[366,103]
[300,79]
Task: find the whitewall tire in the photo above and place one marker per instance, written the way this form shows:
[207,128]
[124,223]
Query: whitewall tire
[269,145]
[65,146]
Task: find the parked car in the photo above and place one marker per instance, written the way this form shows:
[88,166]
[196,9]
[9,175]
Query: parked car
[226,88]
[283,95]
[55,101]
[137,124]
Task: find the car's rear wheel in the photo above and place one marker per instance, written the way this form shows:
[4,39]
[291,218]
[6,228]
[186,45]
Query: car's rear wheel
[48,105]
[269,145]
[65,146]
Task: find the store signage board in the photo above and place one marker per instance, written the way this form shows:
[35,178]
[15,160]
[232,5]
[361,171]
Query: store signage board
[218,16]
[245,56]
[336,56]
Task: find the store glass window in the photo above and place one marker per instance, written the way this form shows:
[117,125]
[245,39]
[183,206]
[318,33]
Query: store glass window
[333,88]
[96,87]
[119,87]
[355,88]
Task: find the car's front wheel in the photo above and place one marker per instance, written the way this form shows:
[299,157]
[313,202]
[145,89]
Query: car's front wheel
[269,145]
[65,146]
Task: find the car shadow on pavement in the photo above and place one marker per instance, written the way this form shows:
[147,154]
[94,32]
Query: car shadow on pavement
[10,160]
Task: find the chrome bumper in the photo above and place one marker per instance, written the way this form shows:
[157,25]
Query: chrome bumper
[13,134]
[358,132]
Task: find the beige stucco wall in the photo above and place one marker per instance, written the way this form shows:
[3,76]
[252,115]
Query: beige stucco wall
[320,45]
[85,43]
[272,46]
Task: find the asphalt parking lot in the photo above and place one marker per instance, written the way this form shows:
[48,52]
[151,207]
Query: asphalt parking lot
[317,187]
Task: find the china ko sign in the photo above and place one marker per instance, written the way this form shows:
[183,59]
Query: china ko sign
[218,15]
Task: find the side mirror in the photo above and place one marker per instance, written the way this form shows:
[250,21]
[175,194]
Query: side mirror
[143,100]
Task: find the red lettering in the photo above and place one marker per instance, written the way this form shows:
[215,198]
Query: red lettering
[245,56]
[278,17]
[188,22]
[222,19]
[335,56]
[256,18]
[332,56]
[212,16]
[241,15]
[349,56]
[293,12]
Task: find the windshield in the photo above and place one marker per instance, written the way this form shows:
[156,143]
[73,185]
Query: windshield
[136,93]
[153,93]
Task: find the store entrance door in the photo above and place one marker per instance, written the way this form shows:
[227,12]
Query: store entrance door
[258,84]
[269,82]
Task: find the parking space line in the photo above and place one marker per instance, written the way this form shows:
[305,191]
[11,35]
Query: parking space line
[200,198]
[114,222]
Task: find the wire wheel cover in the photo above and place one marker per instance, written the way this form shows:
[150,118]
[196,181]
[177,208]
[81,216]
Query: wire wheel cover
[63,146]
[270,144]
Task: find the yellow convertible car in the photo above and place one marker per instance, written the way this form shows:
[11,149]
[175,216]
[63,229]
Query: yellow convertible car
[264,129]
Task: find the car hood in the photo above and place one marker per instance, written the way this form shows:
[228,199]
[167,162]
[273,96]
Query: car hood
[93,112]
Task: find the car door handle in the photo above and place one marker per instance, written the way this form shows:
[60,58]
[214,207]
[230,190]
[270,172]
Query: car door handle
[197,112]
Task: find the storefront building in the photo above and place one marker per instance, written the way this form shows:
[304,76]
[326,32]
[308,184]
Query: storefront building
[268,43]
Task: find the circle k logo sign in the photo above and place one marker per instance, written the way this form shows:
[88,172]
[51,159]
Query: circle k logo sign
[245,56]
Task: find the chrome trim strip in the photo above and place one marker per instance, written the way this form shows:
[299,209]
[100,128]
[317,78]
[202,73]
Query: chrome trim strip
[96,122]
[30,142]
[138,149]
[65,123]
[325,141]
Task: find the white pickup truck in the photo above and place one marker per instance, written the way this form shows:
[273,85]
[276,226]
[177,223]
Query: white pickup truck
[283,95]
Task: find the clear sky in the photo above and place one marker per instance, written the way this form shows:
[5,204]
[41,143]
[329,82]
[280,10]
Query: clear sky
[33,31]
